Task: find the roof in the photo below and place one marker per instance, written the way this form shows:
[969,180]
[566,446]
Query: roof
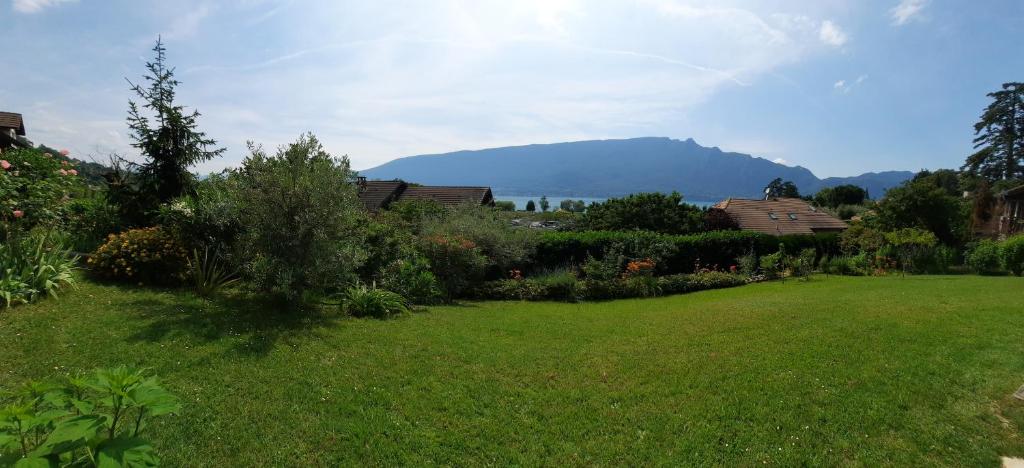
[779,216]
[449,196]
[12,120]
[1014,192]
[376,194]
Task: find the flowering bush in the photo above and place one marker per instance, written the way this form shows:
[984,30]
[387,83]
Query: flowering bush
[643,267]
[457,262]
[33,185]
[147,255]
[33,266]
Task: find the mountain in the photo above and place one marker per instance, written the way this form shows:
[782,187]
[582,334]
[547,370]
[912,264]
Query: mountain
[603,168]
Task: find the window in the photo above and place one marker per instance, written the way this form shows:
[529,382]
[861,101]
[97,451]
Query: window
[792,216]
[773,216]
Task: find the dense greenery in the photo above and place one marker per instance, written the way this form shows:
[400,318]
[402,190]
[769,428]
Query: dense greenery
[878,370]
[834,197]
[931,201]
[33,188]
[999,136]
[778,188]
[656,212]
[32,266]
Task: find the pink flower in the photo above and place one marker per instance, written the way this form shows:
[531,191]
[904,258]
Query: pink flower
[4,164]
[64,152]
[72,172]
[63,172]
[18,213]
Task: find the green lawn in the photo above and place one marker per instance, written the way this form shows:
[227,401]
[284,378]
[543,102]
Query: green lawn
[863,371]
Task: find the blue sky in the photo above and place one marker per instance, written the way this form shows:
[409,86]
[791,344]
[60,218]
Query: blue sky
[838,86]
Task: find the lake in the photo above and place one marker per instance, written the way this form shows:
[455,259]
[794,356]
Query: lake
[520,200]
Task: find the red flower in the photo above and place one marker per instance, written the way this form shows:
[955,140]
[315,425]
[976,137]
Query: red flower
[64,152]
[4,164]
[732,268]
[18,213]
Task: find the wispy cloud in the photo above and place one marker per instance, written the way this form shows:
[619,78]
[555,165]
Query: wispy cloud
[35,6]
[906,11]
[187,25]
[845,87]
[831,34]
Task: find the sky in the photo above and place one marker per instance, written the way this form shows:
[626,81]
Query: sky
[840,87]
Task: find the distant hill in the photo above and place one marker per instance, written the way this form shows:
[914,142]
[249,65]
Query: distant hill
[602,168]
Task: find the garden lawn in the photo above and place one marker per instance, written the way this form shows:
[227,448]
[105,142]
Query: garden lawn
[863,371]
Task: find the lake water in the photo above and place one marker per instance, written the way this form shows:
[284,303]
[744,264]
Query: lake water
[520,200]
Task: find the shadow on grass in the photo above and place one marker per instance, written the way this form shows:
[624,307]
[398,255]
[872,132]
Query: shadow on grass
[253,324]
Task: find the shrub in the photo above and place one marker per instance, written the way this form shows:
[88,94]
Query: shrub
[504,246]
[910,242]
[773,265]
[802,265]
[1012,252]
[88,222]
[207,219]
[147,255]
[93,420]
[33,186]
[559,286]
[456,262]
[303,220]
[361,301]
[656,212]
[850,265]
[209,274]
[412,279]
[938,259]
[32,267]
[511,290]
[984,257]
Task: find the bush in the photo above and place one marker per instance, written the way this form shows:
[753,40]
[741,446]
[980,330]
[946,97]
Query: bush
[773,265]
[511,290]
[209,274]
[148,255]
[656,212]
[361,301]
[303,220]
[1013,254]
[456,262]
[559,285]
[504,246]
[849,265]
[802,265]
[209,219]
[984,257]
[937,259]
[88,222]
[32,267]
[92,420]
[910,243]
[33,186]
[412,279]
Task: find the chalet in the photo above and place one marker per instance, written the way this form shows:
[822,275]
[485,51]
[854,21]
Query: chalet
[779,216]
[378,194]
[1010,209]
[12,131]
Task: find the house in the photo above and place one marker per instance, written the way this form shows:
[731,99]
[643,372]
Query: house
[1010,208]
[12,131]
[779,216]
[378,194]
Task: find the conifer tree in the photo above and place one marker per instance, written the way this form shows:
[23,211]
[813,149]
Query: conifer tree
[999,136]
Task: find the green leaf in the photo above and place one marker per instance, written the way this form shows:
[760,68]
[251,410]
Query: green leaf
[70,434]
[125,452]
[157,401]
[36,462]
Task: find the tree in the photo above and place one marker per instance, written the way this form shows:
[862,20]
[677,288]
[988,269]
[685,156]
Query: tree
[832,197]
[167,137]
[929,201]
[544,204]
[504,205]
[565,205]
[303,219]
[578,206]
[779,189]
[530,206]
[656,212]
[999,136]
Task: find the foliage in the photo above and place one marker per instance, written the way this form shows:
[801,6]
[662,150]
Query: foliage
[802,265]
[91,420]
[505,205]
[910,242]
[779,189]
[984,257]
[1012,251]
[545,205]
[412,279]
[748,264]
[32,266]
[456,262]
[774,265]
[504,246]
[833,197]
[573,206]
[847,212]
[859,237]
[168,138]
[89,221]
[928,202]
[209,274]
[362,301]
[33,187]
[849,265]
[656,212]
[303,220]
[147,255]
[530,206]
[999,136]
[209,218]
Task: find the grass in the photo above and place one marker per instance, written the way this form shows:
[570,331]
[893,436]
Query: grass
[858,371]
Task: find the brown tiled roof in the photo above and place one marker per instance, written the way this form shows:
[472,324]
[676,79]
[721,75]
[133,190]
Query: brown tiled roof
[377,194]
[449,196]
[12,120]
[1014,192]
[779,216]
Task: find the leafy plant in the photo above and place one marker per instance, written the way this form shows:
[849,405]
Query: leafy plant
[33,187]
[1012,252]
[412,279]
[909,242]
[91,420]
[32,266]
[984,257]
[457,263]
[208,274]
[362,301]
[148,255]
[802,265]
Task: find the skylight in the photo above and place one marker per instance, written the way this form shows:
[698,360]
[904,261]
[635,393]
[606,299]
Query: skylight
[773,216]
[792,216]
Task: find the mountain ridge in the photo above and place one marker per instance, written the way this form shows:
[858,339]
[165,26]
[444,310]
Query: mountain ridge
[616,167]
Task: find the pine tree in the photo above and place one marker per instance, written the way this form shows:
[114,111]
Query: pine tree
[530,206]
[999,136]
[168,137]
[544,203]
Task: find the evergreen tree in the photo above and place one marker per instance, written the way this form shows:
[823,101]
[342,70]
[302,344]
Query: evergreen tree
[779,189]
[544,204]
[165,134]
[530,206]
[999,136]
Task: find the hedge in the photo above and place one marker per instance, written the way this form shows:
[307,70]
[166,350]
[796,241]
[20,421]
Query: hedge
[538,290]
[715,248]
